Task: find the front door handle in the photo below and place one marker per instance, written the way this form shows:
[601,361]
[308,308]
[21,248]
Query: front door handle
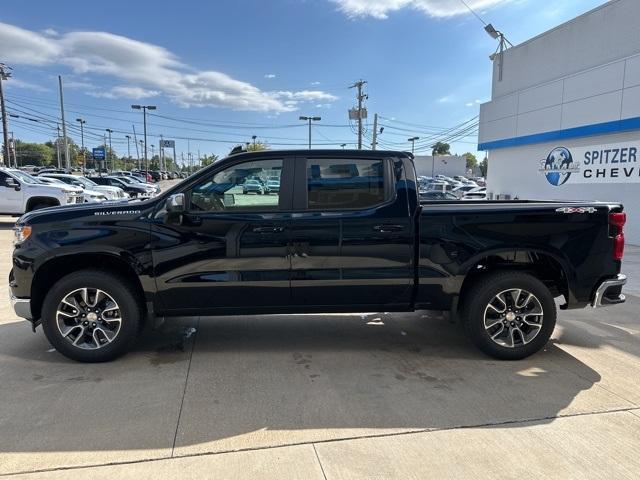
[268,230]
[388,228]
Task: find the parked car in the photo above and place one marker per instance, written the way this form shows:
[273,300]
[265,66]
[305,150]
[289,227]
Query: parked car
[111,193]
[273,186]
[437,195]
[22,193]
[134,191]
[89,196]
[327,243]
[152,190]
[253,186]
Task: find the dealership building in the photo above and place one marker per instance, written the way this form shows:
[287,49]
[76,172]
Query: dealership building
[564,117]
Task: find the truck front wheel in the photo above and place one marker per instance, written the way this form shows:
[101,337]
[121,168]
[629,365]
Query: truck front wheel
[91,316]
[509,315]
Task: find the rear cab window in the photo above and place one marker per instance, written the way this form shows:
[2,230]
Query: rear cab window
[350,183]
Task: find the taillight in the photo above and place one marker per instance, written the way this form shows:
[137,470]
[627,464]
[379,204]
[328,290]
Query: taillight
[617,221]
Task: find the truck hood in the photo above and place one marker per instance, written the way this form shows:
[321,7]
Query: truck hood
[130,208]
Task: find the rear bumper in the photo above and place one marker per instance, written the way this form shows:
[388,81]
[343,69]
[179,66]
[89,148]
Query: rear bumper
[609,292]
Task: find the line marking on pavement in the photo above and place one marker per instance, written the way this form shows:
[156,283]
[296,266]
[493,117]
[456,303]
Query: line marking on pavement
[319,462]
[184,391]
[331,440]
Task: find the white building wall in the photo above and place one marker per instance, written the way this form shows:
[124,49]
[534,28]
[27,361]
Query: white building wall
[575,86]
[448,165]
[516,172]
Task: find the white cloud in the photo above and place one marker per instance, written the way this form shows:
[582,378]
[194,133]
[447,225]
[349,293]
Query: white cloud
[147,69]
[17,83]
[315,84]
[269,75]
[474,103]
[51,32]
[125,91]
[447,99]
[434,8]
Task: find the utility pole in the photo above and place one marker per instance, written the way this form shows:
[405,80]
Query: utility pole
[67,160]
[360,97]
[374,143]
[113,160]
[128,150]
[161,154]
[254,141]
[13,149]
[58,145]
[82,121]
[4,75]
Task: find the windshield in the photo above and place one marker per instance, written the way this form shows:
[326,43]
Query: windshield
[26,178]
[85,181]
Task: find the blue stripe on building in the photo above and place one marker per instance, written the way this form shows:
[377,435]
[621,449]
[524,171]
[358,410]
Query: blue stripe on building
[616,126]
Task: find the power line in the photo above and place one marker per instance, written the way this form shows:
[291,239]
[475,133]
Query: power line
[474,13]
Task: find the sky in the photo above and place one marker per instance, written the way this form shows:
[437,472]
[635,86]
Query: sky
[221,72]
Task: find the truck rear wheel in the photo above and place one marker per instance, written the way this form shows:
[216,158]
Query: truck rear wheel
[509,315]
[91,316]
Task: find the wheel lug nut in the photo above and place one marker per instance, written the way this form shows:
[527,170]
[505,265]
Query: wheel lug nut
[93,324]
[513,324]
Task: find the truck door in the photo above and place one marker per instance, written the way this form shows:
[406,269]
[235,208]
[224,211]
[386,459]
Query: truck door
[352,234]
[12,195]
[230,249]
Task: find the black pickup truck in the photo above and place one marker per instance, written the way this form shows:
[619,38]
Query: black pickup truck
[344,232]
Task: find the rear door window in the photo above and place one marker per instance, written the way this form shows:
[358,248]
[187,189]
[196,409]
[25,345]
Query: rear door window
[335,184]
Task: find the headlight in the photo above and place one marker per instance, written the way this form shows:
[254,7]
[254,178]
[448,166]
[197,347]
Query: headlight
[21,233]
[98,198]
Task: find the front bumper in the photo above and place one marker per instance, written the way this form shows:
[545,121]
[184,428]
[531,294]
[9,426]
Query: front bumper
[22,306]
[609,292]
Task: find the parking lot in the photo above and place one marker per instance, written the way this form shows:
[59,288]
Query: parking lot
[373,395]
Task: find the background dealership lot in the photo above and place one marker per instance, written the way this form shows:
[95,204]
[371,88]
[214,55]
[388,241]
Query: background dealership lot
[326,396]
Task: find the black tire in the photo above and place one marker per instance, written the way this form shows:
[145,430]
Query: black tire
[483,291]
[130,307]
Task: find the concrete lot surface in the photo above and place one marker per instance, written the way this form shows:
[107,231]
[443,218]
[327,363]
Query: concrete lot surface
[374,396]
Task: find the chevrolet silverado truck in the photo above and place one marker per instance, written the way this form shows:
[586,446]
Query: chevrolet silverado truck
[345,232]
[21,192]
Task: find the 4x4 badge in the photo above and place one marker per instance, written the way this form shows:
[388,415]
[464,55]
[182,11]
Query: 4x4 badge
[576,210]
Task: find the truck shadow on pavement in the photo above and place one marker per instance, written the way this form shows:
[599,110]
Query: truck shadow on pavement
[254,382]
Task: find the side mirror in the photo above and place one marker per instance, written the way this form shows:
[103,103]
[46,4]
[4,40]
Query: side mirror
[175,203]
[10,182]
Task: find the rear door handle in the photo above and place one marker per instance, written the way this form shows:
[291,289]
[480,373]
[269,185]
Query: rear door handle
[268,230]
[388,228]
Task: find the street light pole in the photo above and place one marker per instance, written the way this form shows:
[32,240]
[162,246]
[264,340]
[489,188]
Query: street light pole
[144,109]
[82,121]
[413,142]
[128,150]
[113,160]
[4,75]
[310,119]
[254,140]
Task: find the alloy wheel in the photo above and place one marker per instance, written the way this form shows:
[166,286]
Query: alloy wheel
[513,318]
[89,318]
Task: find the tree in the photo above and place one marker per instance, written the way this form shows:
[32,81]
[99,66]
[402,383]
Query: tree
[484,165]
[208,159]
[472,161]
[34,153]
[257,147]
[441,148]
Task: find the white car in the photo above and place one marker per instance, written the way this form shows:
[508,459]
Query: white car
[111,193]
[90,196]
[23,193]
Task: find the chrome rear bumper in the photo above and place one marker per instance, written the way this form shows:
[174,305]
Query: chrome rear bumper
[610,292]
